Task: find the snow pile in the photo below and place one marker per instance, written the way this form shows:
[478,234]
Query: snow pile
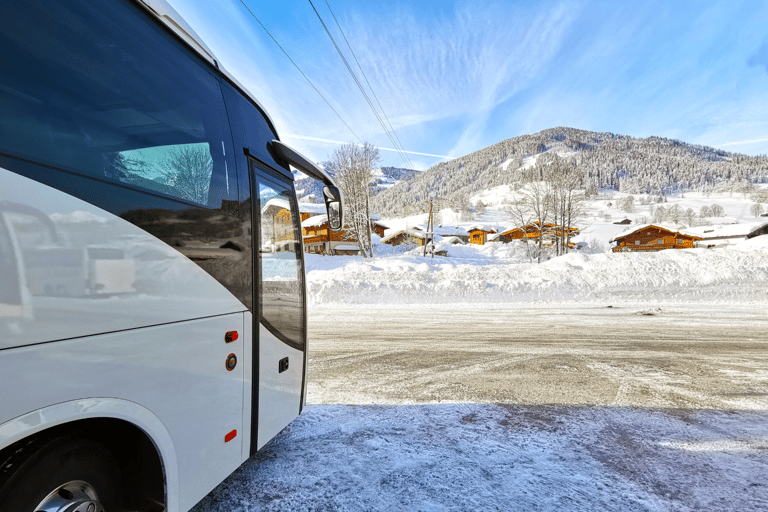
[503,273]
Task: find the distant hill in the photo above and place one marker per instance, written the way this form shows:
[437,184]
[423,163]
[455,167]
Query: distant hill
[388,177]
[652,165]
[311,191]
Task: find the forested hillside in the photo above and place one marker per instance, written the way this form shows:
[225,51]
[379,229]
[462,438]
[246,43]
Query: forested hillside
[653,165]
[311,191]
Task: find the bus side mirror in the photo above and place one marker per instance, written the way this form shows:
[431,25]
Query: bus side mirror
[334,206]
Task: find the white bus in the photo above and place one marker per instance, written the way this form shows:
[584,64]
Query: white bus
[152,333]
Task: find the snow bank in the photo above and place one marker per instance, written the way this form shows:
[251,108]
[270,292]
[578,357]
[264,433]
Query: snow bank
[503,273]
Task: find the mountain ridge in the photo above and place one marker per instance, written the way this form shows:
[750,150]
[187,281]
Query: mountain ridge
[651,165]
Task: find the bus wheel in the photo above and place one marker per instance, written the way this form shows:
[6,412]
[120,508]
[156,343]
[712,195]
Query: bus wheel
[65,475]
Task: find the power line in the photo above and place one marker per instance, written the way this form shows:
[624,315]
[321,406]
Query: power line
[300,71]
[359,85]
[369,84]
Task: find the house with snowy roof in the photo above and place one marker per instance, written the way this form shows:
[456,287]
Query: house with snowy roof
[531,231]
[652,237]
[280,206]
[408,237]
[452,231]
[478,234]
[721,235]
[319,239]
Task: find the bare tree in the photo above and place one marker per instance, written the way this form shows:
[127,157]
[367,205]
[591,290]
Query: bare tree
[536,201]
[717,210]
[568,199]
[354,172]
[756,209]
[516,208]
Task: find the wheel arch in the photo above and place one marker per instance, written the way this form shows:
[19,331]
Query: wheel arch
[138,440]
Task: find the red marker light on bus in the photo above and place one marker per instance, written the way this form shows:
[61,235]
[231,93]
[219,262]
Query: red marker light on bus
[231,336]
[230,436]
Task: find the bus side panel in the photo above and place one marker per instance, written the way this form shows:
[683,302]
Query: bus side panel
[176,371]
[279,392]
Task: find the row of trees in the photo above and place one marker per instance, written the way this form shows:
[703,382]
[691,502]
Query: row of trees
[554,195]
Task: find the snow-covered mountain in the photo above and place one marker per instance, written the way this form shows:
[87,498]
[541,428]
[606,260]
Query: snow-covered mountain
[311,191]
[388,177]
[652,165]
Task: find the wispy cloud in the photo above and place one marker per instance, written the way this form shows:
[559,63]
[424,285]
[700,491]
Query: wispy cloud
[743,142]
[338,143]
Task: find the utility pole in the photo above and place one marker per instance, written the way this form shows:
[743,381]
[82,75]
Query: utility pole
[430,233]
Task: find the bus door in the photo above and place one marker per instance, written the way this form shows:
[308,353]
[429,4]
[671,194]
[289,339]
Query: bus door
[281,328]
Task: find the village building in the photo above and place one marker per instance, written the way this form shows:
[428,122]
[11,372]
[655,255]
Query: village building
[452,231]
[550,233]
[650,237]
[722,235]
[408,237]
[318,239]
[453,240]
[478,235]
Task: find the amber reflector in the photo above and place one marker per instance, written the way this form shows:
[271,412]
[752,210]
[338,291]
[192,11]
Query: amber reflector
[230,336]
[230,436]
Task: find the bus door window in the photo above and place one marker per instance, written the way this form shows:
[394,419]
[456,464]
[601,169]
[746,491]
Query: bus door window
[282,298]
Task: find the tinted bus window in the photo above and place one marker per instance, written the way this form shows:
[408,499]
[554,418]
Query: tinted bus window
[282,285]
[100,90]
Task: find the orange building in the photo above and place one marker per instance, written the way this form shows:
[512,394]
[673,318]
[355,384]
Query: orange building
[532,231]
[478,235]
[653,238]
[318,239]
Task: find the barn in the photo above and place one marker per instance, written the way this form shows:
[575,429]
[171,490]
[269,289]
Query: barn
[651,237]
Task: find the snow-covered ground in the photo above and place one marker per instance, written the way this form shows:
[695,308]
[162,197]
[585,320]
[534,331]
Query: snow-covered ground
[473,457]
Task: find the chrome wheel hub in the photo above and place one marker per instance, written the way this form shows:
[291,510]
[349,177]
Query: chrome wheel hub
[74,496]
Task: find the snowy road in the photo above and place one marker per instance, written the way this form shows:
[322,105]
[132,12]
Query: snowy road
[641,406]
[694,355]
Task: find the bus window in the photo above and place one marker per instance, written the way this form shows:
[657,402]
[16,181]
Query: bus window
[282,297]
[121,101]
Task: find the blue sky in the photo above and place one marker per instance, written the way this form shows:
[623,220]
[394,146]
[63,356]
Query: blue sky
[455,77]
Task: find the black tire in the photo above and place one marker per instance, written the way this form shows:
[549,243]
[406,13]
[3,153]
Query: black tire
[57,463]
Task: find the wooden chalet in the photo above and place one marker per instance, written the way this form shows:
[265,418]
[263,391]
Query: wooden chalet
[478,235]
[653,238]
[550,232]
[318,239]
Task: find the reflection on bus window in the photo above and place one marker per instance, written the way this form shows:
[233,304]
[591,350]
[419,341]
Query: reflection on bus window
[182,170]
[281,273]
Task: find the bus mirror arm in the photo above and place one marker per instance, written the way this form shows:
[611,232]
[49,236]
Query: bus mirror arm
[334,200]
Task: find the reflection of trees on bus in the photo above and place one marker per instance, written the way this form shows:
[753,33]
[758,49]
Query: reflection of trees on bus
[188,169]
